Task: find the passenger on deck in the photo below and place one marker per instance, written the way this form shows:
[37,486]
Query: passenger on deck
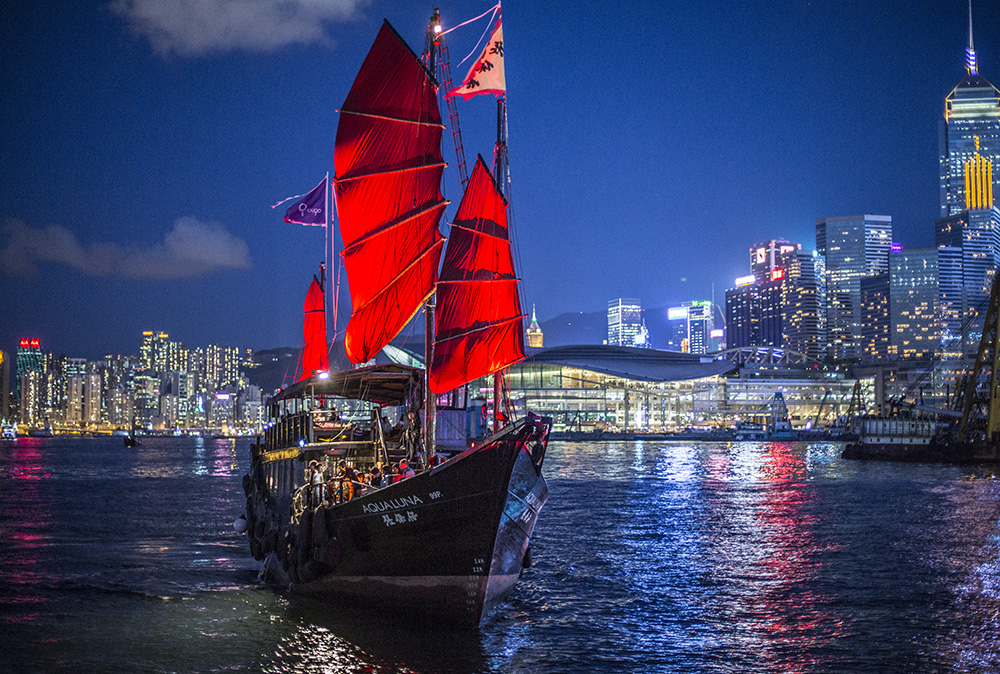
[404,470]
[347,478]
[317,479]
[411,435]
[375,476]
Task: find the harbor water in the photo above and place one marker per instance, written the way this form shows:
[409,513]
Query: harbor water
[649,557]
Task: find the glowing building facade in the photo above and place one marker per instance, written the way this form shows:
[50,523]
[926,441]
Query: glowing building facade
[971,112]
[624,321]
[852,247]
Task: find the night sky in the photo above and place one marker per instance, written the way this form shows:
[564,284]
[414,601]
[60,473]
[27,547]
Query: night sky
[651,143]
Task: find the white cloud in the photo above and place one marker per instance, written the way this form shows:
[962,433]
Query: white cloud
[196,27]
[191,248]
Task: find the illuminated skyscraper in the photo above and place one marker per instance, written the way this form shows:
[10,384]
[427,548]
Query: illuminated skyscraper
[804,305]
[971,110]
[624,321]
[29,359]
[154,352]
[852,247]
[975,231]
[222,365]
[876,319]
[913,297]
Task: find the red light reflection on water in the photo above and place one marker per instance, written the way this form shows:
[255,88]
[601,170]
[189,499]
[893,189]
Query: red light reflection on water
[26,520]
[789,609]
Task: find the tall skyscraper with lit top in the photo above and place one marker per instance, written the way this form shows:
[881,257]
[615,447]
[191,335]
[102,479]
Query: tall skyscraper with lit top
[971,110]
[972,233]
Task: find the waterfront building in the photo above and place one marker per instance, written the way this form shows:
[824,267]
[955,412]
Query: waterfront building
[914,303]
[588,388]
[852,247]
[971,111]
[534,336]
[624,321]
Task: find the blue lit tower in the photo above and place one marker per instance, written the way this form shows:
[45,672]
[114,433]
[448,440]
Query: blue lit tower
[971,110]
[970,236]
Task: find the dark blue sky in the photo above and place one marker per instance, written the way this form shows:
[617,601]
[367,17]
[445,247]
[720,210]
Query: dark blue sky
[651,144]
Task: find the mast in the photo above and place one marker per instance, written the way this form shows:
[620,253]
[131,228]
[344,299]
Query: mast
[430,402]
[500,177]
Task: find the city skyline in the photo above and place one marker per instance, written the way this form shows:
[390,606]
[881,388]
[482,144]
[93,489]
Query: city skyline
[132,150]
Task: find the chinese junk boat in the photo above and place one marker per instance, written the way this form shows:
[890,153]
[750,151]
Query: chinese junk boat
[450,539]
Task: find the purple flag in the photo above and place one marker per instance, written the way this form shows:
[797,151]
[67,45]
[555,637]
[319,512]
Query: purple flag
[310,209]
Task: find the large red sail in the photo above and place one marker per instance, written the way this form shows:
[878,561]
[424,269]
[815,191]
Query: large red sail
[315,353]
[388,191]
[478,329]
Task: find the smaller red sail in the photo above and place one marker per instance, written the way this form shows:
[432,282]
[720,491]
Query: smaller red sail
[315,354]
[478,329]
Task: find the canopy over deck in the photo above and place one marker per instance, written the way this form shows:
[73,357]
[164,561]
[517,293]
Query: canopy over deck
[382,384]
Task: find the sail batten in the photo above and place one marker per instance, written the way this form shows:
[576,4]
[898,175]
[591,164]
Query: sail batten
[392,119]
[369,174]
[388,190]
[397,222]
[479,318]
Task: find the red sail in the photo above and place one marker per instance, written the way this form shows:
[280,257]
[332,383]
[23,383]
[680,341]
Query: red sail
[388,191]
[478,329]
[315,354]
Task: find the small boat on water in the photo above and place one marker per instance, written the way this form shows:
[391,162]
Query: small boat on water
[8,432]
[449,539]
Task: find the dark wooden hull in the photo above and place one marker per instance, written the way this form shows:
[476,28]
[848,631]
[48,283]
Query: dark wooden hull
[449,542]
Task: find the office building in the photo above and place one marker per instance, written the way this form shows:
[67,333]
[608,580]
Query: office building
[975,233]
[876,322]
[914,303]
[804,305]
[852,247]
[624,321]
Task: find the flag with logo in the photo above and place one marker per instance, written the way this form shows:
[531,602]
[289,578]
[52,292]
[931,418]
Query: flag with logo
[310,209]
[486,74]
